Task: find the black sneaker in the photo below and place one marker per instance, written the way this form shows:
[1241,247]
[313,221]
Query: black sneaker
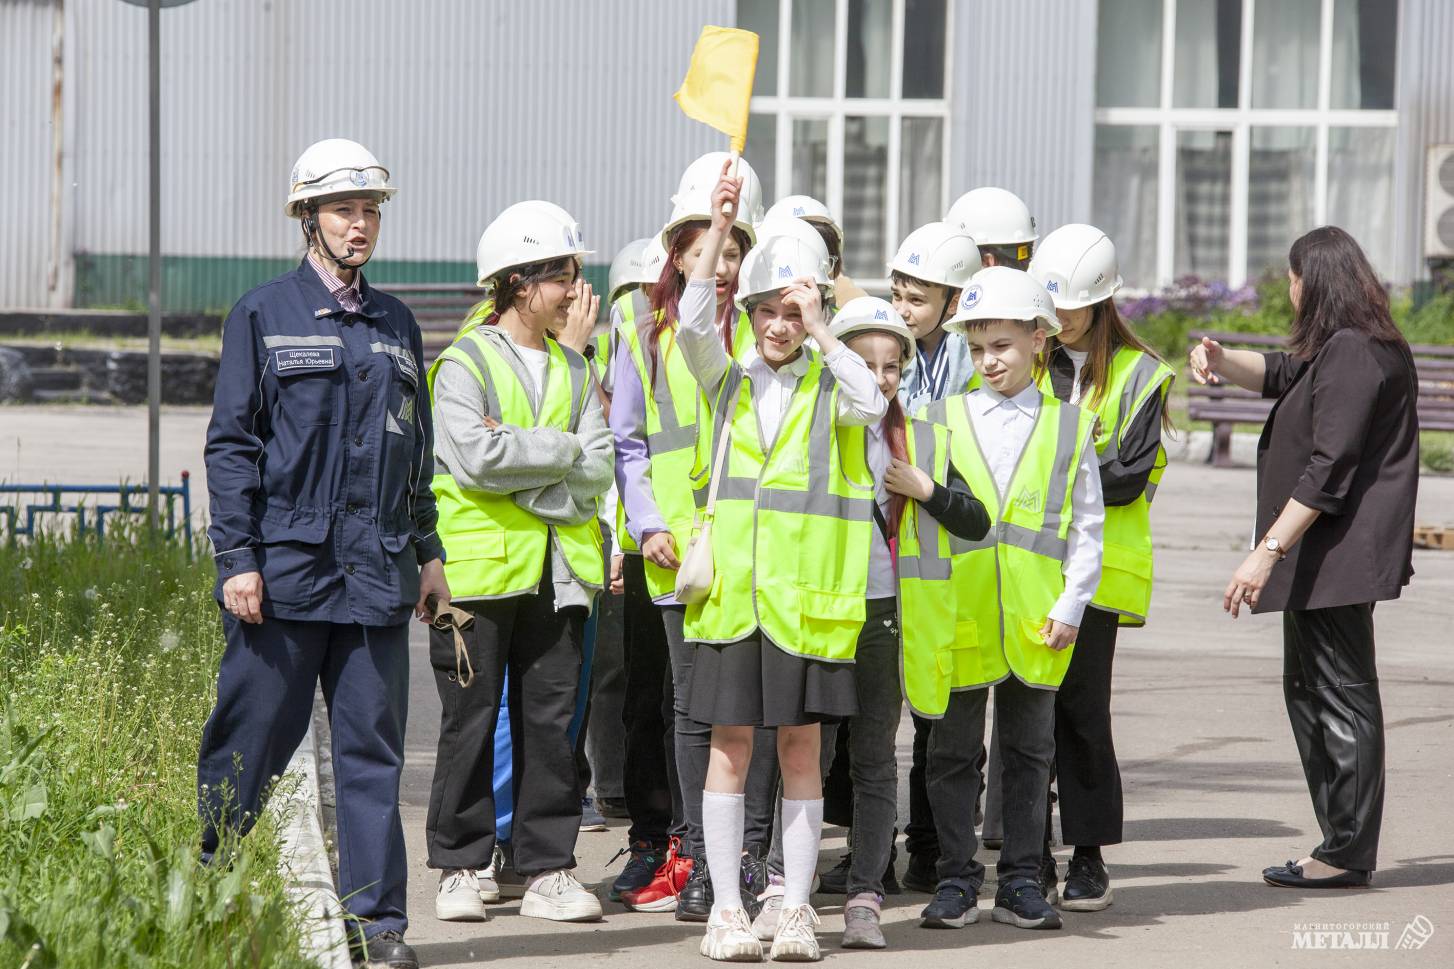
[1087,886]
[1049,879]
[387,950]
[922,874]
[1020,902]
[694,904]
[645,859]
[952,908]
[753,880]
[834,881]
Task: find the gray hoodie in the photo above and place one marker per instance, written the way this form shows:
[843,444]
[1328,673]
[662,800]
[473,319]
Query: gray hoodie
[556,475]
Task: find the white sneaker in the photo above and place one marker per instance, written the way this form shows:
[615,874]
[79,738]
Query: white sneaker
[731,940]
[459,897]
[489,887]
[507,882]
[557,896]
[795,940]
[765,925]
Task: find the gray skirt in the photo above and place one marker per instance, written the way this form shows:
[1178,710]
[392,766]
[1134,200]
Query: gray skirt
[753,683]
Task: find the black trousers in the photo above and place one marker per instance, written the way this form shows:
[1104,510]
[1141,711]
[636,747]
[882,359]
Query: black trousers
[1330,684]
[1088,776]
[921,837]
[649,774]
[541,647]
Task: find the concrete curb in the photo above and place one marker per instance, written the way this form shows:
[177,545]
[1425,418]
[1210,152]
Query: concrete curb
[305,865]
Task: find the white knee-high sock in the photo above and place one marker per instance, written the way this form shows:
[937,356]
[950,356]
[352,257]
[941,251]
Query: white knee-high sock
[802,830]
[722,819]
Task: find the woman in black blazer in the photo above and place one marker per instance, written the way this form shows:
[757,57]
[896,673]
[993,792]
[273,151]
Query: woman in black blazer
[1337,478]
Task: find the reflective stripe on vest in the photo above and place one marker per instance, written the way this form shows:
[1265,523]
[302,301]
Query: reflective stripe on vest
[674,405]
[791,529]
[496,548]
[926,596]
[1006,585]
[1126,563]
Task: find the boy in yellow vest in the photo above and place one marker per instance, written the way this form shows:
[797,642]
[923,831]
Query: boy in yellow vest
[1019,594]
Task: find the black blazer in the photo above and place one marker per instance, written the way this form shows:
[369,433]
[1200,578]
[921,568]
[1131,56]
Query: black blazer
[1343,438]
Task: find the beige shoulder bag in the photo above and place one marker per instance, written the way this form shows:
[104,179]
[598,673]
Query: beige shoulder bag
[694,578]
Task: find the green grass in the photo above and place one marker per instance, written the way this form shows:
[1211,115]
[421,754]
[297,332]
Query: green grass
[84,339]
[108,654]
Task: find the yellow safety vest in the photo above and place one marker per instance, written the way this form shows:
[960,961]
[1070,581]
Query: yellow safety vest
[1006,584]
[496,548]
[790,535]
[927,610]
[674,408]
[1126,565]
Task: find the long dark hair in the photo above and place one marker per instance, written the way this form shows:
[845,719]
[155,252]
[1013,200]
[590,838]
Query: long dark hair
[666,293]
[517,280]
[1339,292]
[1108,333]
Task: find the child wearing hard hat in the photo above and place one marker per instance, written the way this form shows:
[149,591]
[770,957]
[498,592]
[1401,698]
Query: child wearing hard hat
[656,435]
[931,266]
[523,456]
[1099,364]
[1019,600]
[910,463]
[789,498]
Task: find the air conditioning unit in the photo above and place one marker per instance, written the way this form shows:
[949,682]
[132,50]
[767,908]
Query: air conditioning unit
[1439,203]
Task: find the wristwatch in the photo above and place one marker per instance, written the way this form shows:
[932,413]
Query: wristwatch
[1275,547]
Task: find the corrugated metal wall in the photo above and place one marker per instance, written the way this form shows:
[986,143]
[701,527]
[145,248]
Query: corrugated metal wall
[1023,103]
[471,105]
[30,273]
[1425,102]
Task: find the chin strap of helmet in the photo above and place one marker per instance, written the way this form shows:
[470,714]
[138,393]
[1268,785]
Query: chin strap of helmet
[313,236]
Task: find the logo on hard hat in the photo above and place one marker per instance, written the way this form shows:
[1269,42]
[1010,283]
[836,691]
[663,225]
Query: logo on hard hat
[358,178]
[570,239]
[881,315]
[1052,287]
[785,272]
[913,259]
[971,296]
[799,210]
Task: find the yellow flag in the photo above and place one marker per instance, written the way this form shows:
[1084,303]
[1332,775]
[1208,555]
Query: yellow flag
[718,85]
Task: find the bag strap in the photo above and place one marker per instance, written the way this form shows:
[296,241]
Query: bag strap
[717,467]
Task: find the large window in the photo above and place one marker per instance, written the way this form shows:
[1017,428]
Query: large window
[1227,128]
[850,107]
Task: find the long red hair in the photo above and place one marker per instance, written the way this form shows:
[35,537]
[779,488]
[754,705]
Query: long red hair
[896,433]
[666,293]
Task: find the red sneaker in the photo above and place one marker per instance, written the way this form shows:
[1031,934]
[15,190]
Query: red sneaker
[660,895]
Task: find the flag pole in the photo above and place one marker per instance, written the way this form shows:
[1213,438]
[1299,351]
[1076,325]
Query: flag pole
[732,173]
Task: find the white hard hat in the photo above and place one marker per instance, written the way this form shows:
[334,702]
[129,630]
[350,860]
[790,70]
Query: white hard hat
[693,199]
[335,168]
[526,233]
[1003,293]
[628,268]
[778,224]
[993,217]
[937,253]
[1077,266]
[871,314]
[808,209]
[779,259]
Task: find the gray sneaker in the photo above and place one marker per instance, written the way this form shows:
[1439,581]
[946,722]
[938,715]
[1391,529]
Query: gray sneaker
[508,882]
[860,927]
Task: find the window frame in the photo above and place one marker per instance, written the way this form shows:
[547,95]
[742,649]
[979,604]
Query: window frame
[786,108]
[1240,121]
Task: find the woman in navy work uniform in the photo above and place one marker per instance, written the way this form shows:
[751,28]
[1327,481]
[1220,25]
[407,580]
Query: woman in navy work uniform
[319,459]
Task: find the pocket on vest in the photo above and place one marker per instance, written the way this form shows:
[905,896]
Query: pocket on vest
[483,544]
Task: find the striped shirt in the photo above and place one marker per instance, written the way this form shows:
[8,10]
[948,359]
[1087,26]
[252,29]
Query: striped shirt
[347,294]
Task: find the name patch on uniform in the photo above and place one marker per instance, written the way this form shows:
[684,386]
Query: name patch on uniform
[304,358]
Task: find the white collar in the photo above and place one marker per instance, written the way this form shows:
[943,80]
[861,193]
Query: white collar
[986,399]
[752,360]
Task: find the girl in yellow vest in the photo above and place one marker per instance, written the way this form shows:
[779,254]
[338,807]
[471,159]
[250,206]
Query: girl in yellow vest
[910,464]
[1019,596]
[656,416]
[791,503]
[523,456]
[1097,363]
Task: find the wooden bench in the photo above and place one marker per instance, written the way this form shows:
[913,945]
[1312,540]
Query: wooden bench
[1226,405]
